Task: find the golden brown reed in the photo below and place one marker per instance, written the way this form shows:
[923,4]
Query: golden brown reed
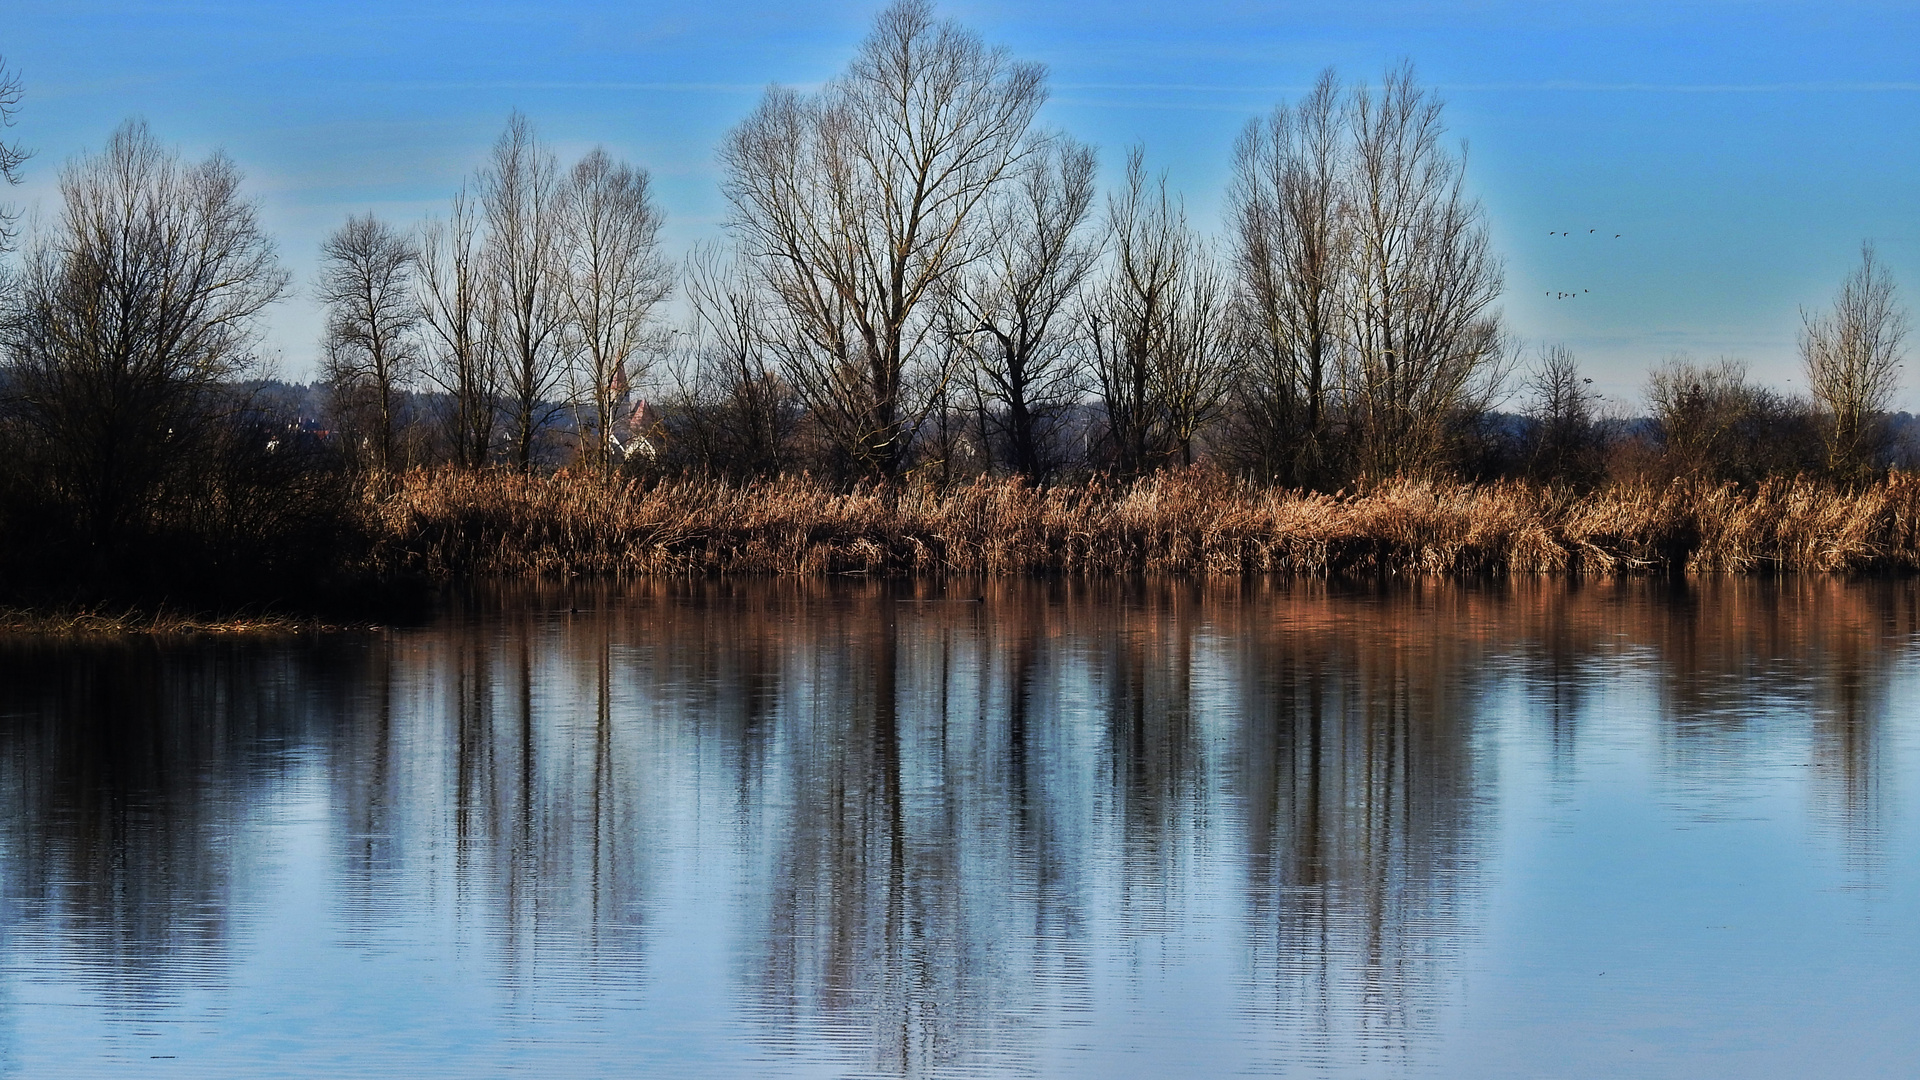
[1194,521]
[88,622]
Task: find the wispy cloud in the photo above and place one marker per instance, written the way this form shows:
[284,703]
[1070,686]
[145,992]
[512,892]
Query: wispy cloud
[633,87]
[1150,106]
[1181,88]
[1694,88]
[1554,85]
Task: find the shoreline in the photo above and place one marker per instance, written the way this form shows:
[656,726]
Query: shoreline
[443,528]
[28,621]
[451,526]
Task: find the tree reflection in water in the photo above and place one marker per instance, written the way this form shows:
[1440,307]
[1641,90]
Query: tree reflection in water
[1361,784]
[126,774]
[950,825]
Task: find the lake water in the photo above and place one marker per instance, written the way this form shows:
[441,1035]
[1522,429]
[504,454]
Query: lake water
[1162,829]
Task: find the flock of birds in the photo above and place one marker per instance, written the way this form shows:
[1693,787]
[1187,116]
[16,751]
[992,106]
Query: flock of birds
[1570,295]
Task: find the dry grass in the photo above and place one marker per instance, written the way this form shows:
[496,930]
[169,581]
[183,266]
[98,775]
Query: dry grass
[1191,522]
[87,622]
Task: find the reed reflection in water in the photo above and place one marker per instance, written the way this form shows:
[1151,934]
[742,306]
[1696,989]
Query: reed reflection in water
[1147,828]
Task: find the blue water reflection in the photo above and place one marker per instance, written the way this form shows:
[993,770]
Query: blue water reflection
[1013,829]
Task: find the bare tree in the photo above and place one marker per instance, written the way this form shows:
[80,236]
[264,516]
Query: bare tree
[1155,322]
[861,203]
[1717,425]
[1852,356]
[1286,210]
[132,313]
[1127,314]
[519,194]
[460,309]
[11,155]
[948,443]
[1425,345]
[1015,304]
[614,276]
[1195,372]
[371,354]
[737,410]
[1565,442]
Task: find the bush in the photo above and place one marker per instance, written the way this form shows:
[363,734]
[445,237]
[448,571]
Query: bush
[1714,425]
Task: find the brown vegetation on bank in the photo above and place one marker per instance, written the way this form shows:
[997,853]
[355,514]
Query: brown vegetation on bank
[89,622]
[1192,521]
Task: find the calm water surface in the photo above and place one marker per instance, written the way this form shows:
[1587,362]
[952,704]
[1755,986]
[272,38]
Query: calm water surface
[798,830]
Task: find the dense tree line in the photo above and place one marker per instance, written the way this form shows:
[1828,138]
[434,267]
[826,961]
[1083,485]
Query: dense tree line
[134,463]
[917,280]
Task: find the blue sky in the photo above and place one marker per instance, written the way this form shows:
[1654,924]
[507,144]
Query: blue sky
[1743,150]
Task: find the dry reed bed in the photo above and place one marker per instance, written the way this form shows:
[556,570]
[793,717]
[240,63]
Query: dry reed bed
[92,622]
[1189,522]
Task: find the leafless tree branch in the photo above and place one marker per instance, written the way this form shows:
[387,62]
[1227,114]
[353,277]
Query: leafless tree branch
[371,353]
[1852,355]
[859,205]
[12,156]
[1015,304]
[613,277]
[137,307]
[461,311]
[520,198]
